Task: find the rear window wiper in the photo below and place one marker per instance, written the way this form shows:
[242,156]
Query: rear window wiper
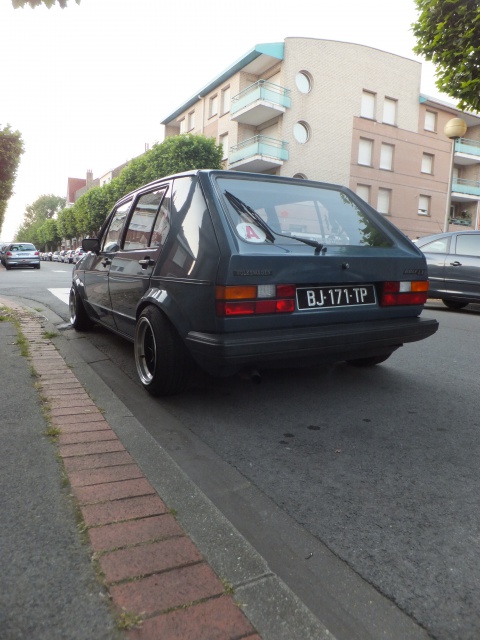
[241,207]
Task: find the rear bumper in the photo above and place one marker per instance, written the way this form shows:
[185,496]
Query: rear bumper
[225,354]
[19,262]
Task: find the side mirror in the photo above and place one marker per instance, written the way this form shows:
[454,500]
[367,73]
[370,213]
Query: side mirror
[91,244]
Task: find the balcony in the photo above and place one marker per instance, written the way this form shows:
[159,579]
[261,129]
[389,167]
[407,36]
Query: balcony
[465,190]
[467,151]
[258,154]
[259,103]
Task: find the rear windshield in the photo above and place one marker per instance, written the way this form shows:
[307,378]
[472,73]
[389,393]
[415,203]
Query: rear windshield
[22,247]
[323,214]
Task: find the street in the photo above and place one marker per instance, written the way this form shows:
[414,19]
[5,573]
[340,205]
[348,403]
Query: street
[368,473]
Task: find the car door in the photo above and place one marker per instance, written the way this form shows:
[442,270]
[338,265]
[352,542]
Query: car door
[462,266]
[132,264]
[436,253]
[97,294]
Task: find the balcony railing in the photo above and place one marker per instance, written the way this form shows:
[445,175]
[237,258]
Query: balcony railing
[260,102]
[471,147]
[468,187]
[258,154]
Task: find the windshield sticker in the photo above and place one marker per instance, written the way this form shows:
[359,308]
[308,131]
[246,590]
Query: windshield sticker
[250,232]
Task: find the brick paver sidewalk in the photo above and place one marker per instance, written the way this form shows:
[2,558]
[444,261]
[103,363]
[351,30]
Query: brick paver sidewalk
[154,573]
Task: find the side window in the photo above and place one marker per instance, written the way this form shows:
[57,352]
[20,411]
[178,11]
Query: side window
[111,241]
[191,246]
[436,246]
[142,219]
[468,245]
[162,224]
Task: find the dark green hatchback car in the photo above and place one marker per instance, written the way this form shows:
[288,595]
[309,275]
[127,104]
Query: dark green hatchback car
[233,271]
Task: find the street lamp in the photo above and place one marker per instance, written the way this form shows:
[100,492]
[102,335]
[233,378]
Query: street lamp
[454,129]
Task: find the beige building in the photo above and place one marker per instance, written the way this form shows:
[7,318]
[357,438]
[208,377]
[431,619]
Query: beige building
[344,113]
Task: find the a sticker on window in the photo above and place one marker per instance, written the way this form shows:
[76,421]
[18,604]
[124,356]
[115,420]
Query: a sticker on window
[250,232]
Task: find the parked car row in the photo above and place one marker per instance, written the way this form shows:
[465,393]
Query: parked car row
[70,256]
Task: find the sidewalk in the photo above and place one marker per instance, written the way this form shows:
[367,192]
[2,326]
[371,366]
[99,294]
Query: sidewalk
[138,574]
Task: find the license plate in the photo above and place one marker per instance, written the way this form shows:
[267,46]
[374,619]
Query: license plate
[335,296]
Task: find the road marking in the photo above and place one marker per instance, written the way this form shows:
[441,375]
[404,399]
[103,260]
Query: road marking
[61,294]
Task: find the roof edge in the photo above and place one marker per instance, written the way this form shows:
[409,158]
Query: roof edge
[272,49]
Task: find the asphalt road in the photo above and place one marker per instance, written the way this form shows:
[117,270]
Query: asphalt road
[378,467]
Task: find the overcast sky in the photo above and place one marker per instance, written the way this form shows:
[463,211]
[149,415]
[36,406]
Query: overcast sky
[87,86]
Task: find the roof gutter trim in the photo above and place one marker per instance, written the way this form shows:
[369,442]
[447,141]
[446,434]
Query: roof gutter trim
[272,49]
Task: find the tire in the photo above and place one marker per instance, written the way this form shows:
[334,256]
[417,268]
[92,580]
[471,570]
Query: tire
[78,316]
[7,267]
[37,266]
[454,304]
[162,361]
[368,362]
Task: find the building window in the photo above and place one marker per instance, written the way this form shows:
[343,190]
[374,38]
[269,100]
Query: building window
[365,152]
[390,111]
[225,100]
[303,80]
[223,140]
[191,121]
[182,125]
[301,132]
[363,191]
[384,200]
[430,121]
[367,109]
[427,163]
[386,156]
[424,206]
[213,106]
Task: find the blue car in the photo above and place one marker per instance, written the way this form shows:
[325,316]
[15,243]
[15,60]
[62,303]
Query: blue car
[233,272]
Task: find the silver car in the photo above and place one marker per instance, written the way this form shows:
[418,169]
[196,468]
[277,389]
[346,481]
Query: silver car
[21,254]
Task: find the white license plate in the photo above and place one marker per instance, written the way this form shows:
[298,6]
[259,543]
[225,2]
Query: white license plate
[310,298]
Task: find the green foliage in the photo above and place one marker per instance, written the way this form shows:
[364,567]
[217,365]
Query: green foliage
[35,3]
[44,207]
[11,148]
[448,34]
[174,155]
[92,208]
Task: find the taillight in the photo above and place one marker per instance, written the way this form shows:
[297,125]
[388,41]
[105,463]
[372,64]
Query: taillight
[399,293]
[245,300]
[37,253]
[9,253]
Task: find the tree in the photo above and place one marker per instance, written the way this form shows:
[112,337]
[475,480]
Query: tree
[174,155]
[35,3]
[448,34]
[11,148]
[44,207]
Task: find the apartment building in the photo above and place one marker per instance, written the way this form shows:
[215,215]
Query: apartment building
[343,113]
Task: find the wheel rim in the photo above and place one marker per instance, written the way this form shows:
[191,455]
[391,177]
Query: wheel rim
[145,351]
[72,306]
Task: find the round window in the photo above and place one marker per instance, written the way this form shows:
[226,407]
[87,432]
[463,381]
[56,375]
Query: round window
[303,80]
[300,176]
[301,132]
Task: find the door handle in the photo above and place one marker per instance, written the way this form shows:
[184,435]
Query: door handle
[455,264]
[106,262]
[146,262]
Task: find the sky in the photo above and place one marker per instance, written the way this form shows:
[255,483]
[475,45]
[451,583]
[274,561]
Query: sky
[87,86]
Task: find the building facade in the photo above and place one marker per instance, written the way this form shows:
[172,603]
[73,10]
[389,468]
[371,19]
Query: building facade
[343,113]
